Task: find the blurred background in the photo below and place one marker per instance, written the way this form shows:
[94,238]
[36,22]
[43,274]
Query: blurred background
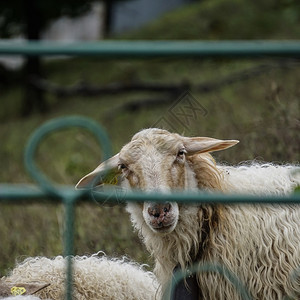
[254,101]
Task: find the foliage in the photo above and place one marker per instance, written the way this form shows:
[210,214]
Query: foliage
[227,19]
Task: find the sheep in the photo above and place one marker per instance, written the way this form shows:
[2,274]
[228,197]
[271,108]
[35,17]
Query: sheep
[94,277]
[258,243]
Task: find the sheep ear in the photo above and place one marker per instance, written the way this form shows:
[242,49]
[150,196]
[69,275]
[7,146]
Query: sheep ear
[109,170]
[14,289]
[206,144]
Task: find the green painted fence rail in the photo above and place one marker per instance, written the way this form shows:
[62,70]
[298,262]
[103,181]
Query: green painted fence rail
[143,49]
[26,193]
[68,196]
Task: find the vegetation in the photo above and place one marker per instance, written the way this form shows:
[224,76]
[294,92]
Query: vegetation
[261,111]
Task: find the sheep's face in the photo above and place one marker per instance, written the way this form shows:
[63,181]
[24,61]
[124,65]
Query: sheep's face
[155,165]
[155,161]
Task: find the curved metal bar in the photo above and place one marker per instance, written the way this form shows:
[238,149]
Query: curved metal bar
[69,196]
[49,128]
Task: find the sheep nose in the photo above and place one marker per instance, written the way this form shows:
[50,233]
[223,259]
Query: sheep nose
[159,210]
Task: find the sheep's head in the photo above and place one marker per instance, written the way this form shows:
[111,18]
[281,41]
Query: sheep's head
[157,161]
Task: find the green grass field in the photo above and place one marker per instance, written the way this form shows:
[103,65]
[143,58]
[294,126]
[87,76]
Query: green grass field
[262,111]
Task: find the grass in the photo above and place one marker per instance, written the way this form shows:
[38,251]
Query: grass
[262,112]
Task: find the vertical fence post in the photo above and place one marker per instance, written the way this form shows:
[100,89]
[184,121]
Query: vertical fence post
[69,203]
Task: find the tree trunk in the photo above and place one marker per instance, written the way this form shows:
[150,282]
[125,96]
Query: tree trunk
[33,97]
[108,5]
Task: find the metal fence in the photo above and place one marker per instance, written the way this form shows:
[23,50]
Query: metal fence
[12,193]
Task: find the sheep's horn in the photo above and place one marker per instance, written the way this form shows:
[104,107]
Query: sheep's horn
[106,166]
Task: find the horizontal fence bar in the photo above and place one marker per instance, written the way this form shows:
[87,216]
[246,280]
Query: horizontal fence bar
[179,48]
[29,193]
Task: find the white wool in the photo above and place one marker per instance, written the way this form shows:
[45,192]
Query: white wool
[94,278]
[261,179]
[258,243]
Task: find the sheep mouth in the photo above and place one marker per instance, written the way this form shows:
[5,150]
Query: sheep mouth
[163,228]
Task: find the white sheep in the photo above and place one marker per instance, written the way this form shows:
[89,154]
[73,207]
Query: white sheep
[259,243]
[94,277]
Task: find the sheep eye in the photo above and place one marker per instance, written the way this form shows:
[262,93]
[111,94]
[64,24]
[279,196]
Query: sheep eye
[181,152]
[122,167]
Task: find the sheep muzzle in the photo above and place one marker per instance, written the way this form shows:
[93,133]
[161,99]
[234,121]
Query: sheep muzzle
[161,217]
